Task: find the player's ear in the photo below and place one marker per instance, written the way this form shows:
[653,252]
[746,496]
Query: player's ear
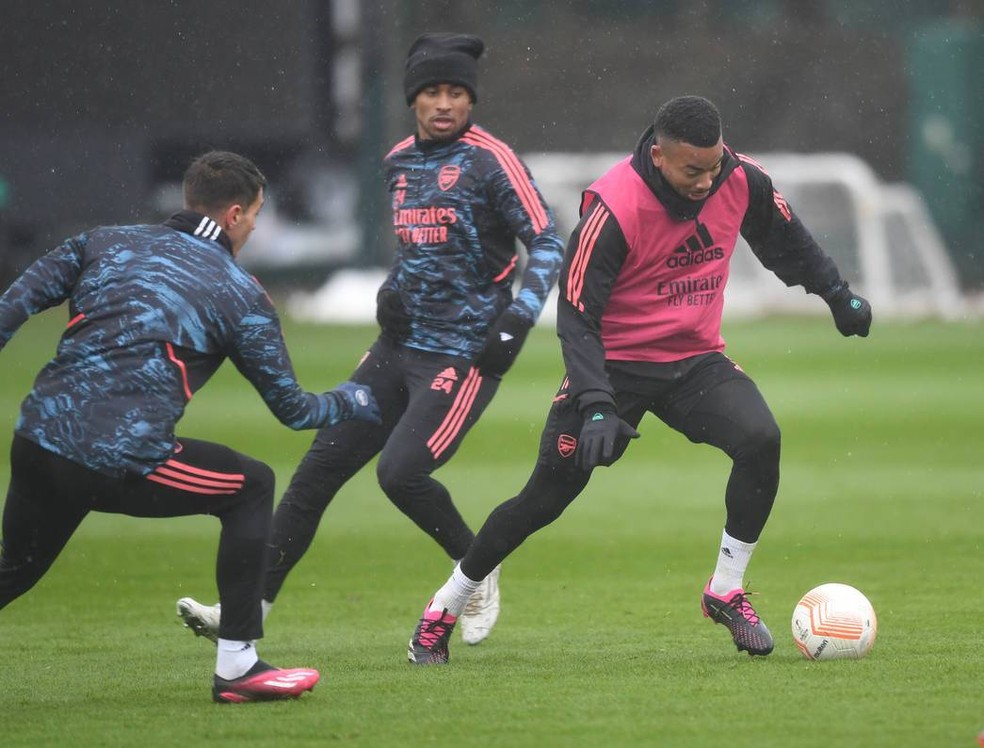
[231,216]
[656,154]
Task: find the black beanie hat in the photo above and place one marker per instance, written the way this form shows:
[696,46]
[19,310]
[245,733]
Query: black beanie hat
[442,58]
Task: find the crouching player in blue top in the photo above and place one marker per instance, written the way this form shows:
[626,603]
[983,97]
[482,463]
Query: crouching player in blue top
[153,312]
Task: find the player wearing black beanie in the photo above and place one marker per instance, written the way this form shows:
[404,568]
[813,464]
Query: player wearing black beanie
[442,58]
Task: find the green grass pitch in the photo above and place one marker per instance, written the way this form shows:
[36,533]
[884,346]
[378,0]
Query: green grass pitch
[601,640]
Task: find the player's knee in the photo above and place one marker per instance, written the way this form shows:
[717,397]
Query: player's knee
[260,484]
[763,442]
[393,479]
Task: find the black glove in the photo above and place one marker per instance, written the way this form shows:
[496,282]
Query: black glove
[852,313]
[505,338]
[392,315]
[602,428]
[355,401]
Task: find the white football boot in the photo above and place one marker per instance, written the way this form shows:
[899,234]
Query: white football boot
[482,609]
[202,619]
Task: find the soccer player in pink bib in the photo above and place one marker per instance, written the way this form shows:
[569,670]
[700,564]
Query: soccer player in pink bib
[639,319]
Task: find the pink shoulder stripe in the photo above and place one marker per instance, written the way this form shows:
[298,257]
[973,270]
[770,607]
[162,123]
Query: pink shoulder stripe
[517,176]
[585,247]
[516,172]
[405,143]
[778,200]
[749,160]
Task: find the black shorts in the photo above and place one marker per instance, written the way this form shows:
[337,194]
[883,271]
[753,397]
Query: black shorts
[710,400]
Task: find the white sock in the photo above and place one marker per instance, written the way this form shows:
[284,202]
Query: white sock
[454,595]
[234,658]
[732,562]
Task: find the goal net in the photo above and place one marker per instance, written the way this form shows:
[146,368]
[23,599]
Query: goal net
[881,236]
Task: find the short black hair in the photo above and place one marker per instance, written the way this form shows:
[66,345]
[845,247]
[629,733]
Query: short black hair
[689,119]
[218,179]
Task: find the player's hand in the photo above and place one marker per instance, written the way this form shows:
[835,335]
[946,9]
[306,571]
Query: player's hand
[355,401]
[505,338]
[602,428]
[392,315]
[852,313]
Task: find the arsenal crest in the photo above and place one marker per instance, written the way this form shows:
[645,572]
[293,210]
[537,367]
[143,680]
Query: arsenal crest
[447,177]
[566,444]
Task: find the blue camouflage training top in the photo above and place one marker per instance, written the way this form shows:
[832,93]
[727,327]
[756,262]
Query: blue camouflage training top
[154,311]
[458,207]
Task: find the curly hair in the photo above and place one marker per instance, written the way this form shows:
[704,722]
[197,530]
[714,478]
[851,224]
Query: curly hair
[689,119]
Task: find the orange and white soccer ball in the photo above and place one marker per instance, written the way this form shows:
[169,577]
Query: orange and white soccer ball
[833,622]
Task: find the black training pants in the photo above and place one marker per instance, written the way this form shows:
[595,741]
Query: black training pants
[428,402]
[713,403]
[49,497]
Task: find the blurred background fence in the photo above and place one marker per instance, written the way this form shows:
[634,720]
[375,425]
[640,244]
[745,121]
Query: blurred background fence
[104,103]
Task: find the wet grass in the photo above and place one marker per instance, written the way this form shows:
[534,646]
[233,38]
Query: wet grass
[601,640]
